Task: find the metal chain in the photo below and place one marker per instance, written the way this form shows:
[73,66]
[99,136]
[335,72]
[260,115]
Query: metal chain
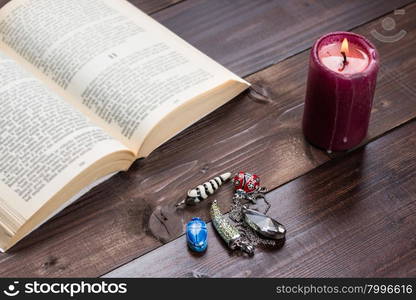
[236,215]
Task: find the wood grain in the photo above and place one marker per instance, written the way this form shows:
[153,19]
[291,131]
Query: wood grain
[354,217]
[259,131]
[247,35]
[152,6]
[148,6]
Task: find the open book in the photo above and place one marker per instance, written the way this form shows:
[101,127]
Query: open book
[86,88]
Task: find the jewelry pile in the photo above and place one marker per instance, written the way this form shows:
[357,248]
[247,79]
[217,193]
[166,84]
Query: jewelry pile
[245,228]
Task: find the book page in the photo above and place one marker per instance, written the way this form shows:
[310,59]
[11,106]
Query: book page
[113,62]
[44,143]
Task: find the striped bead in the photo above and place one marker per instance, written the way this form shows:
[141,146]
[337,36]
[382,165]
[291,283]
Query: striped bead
[203,191]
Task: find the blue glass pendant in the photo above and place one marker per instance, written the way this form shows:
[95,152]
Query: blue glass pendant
[197,235]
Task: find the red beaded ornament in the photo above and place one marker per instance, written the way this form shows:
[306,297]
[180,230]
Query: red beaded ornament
[247,182]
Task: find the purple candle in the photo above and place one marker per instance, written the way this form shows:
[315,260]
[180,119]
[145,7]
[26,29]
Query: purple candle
[342,78]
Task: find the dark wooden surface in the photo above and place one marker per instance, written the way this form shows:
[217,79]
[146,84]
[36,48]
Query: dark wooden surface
[152,6]
[259,131]
[249,35]
[352,217]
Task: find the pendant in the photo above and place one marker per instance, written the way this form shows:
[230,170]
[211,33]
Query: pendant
[263,224]
[229,233]
[203,191]
[197,235]
[247,186]
[247,182]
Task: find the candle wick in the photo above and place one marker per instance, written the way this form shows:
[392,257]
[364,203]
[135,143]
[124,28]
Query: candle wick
[344,61]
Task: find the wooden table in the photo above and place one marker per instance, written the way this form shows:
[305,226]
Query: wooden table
[347,214]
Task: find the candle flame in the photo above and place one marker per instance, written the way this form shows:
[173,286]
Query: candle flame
[344,46]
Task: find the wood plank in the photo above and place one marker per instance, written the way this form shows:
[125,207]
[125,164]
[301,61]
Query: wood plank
[148,6]
[354,217]
[247,36]
[134,212]
[152,6]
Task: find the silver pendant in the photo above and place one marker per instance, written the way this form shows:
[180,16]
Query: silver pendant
[263,224]
[252,230]
[229,233]
[203,191]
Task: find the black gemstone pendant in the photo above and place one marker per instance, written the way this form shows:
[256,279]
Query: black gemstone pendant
[263,224]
